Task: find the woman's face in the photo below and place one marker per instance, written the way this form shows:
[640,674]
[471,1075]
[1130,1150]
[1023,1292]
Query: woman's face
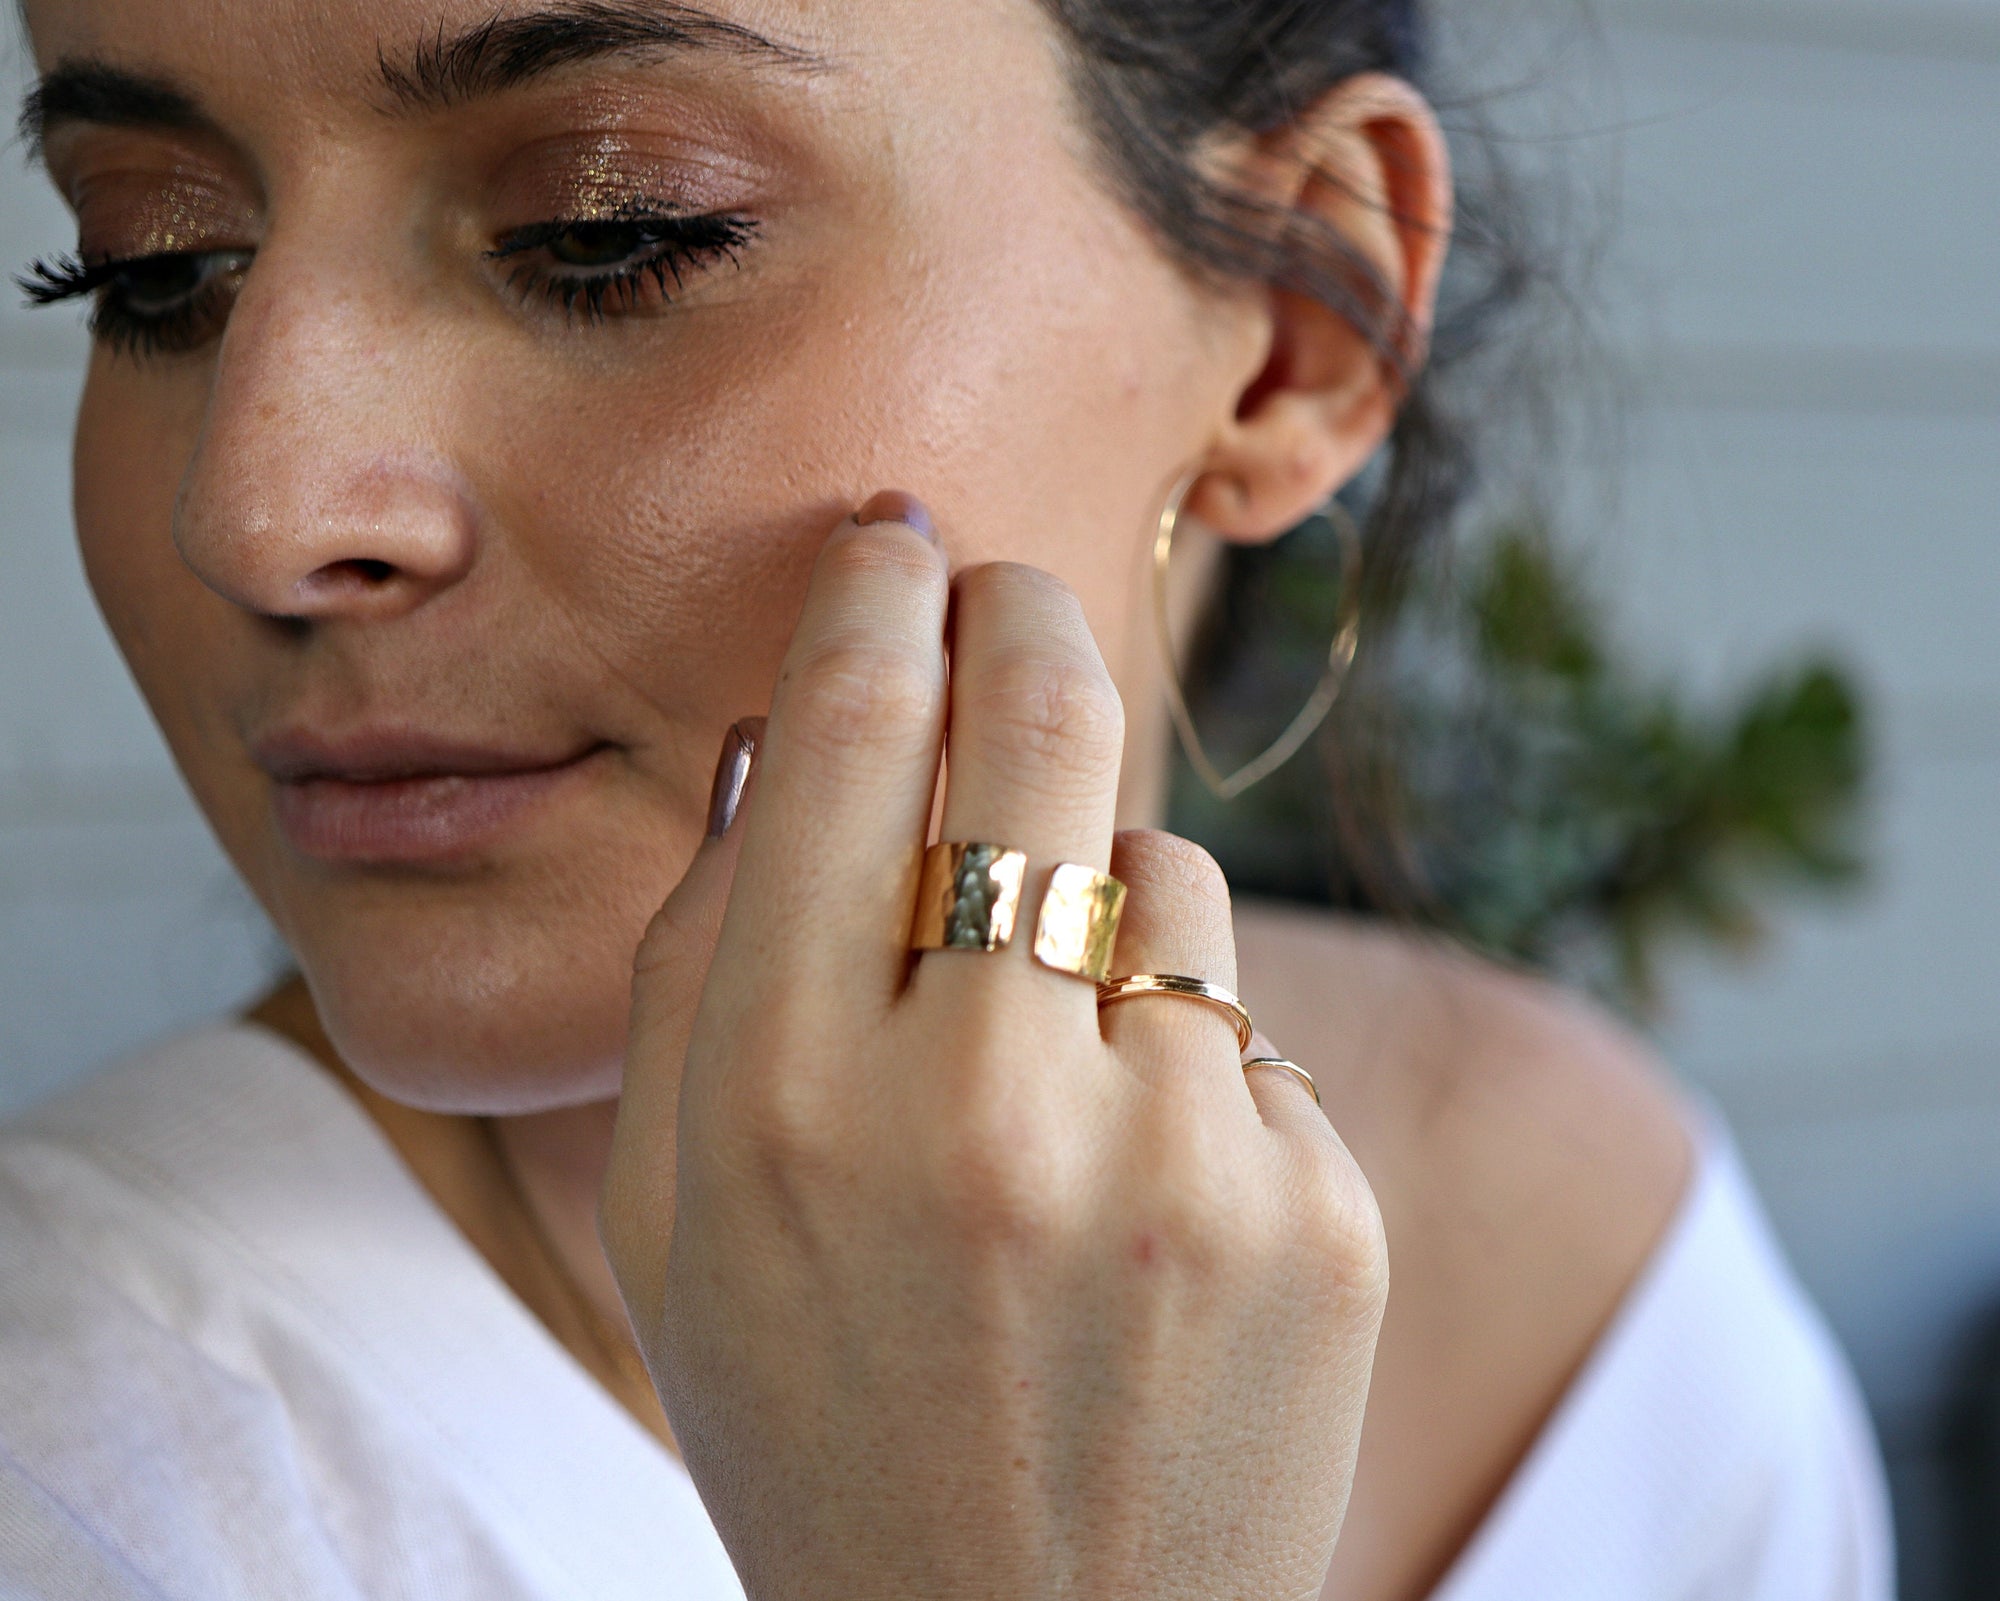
[499,477]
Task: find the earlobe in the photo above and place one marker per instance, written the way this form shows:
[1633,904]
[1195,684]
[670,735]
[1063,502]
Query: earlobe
[1290,454]
[1365,175]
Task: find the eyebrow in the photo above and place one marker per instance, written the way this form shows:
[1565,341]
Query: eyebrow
[94,91]
[505,51]
[444,70]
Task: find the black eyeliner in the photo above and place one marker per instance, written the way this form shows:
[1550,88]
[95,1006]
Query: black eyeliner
[680,241]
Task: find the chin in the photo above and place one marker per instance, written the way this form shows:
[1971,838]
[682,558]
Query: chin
[481,1015]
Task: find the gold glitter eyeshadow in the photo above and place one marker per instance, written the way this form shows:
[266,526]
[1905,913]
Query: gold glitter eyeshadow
[136,213]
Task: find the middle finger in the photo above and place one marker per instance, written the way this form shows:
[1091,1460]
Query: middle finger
[1034,746]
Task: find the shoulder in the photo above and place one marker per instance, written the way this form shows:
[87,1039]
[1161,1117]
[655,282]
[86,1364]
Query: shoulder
[182,1387]
[111,1235]
[1715,1442]
[130,1207]
[1528,1153]
[1501,1098]
[91,1365]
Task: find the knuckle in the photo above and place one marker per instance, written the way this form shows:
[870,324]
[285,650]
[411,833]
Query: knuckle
[1201,1217]
[1189,1227]
[1047,708]
[776,1119]
[859,691]
[998,1182]
[1172,864]
[1342,1224]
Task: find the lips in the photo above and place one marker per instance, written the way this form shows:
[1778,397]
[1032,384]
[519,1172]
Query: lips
[393,798]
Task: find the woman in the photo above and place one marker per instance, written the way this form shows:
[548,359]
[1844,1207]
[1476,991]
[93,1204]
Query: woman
[488,415]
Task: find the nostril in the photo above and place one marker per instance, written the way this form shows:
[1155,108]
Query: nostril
[355,578]
[357,572]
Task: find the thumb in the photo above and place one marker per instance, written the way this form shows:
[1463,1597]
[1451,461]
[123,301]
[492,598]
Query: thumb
[669,973]
[673,959]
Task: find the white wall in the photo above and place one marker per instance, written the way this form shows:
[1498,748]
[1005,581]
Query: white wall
[1807,296]
[1806,293]
[1813,227]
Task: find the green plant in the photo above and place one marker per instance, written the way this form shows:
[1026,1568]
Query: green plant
[1499,770]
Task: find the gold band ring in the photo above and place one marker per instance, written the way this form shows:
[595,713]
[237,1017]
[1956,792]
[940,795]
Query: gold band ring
[1292,1068]
[1079,922]
[968,898]
[1193,989]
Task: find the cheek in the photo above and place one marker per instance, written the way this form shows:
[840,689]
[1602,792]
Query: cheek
[663,530]
[134,436]
[1042,356]
[672,512]
[135,433]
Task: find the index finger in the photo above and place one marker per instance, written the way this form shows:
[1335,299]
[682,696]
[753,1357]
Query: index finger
[849,764]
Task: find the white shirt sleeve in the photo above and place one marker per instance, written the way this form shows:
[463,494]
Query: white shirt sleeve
[244,1357]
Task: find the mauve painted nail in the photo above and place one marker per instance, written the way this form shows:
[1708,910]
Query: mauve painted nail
[732,774]
[894,506]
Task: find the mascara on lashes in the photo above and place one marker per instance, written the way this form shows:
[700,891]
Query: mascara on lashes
[676,244]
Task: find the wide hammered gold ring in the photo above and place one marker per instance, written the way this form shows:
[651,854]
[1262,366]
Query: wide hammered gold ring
[968,898]
[1192,989]
[1078,925]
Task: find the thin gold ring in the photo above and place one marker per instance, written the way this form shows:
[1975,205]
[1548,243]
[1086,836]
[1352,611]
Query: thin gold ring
[1292,1068]
[1192,989]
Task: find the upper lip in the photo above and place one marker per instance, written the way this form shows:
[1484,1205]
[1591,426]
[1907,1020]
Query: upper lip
[382,755]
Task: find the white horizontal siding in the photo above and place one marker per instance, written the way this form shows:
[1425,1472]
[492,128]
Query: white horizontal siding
[1884,29]
[1804,199]
[1804,296]
[1742,533]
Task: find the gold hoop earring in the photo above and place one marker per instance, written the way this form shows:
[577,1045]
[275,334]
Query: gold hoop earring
[1339,659]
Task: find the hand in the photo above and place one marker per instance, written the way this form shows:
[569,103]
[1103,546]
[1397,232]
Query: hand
[950,1286]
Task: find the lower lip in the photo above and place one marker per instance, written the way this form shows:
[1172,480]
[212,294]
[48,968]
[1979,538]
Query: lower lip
[403,821]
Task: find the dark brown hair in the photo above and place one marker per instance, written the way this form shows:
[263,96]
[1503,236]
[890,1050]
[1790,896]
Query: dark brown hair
[1162,83]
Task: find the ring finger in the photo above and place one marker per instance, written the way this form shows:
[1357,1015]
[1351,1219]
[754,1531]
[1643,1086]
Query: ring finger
[1177,921]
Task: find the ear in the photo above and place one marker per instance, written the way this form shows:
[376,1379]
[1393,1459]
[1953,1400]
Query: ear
[1319,395]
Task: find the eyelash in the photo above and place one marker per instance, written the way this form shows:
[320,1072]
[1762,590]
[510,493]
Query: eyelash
[113,319]
[675,245]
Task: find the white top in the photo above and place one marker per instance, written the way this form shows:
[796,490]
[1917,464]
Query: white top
[242,1354]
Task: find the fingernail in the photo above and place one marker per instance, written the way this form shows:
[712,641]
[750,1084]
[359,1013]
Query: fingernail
[894,506]
[732,774]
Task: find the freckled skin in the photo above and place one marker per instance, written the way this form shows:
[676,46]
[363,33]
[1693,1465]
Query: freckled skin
[630,510]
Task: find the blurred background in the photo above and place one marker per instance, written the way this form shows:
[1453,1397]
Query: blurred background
[1792,446]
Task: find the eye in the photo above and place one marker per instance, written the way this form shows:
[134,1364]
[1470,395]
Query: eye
[601,244]
[165,303]
[603,265]
[157,286]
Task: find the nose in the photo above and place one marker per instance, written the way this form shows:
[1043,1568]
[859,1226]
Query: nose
[321,486]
